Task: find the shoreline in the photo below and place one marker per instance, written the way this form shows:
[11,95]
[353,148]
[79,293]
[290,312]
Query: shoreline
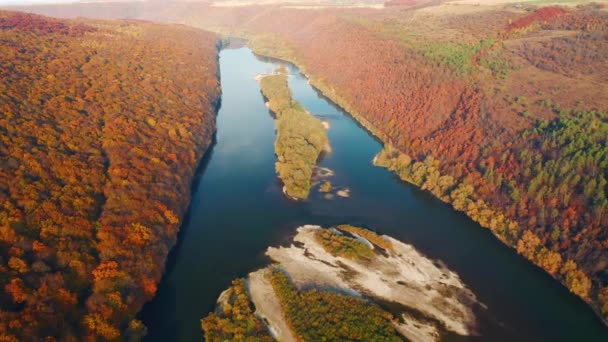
[425,299]
[337,100]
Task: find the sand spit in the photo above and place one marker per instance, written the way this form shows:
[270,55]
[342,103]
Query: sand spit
[425,297]
[259,77]
[323,172]
[267,305]
[223,298]
[418,331]
[336,193]
[345,193]
[403,276]
[284,190]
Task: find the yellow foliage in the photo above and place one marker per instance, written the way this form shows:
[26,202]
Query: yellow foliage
[576,280]
[300,136]
[99,326]
[7,235]
[528,244]
[171,217]
[108,269]
[368,235]
[18,265]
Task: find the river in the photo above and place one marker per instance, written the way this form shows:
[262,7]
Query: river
[238,210]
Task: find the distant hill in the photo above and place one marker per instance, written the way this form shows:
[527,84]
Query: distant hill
[103,125]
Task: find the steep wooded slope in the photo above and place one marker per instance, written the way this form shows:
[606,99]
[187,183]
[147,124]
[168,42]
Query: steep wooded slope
[499,110]
[102,127]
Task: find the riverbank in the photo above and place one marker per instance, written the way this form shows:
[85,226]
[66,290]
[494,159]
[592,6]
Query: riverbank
[413,72]
[227,236]
[424,298]
[460,194]
[99,148]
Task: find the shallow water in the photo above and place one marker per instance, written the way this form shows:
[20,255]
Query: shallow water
[238,210]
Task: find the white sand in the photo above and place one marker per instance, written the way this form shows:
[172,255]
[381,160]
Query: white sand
[323,172]
[402,276]
[268,307]
[223,298]
[417,331]
[343,193]
[405,276]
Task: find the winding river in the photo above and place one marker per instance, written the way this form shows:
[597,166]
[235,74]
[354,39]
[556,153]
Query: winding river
[238,210]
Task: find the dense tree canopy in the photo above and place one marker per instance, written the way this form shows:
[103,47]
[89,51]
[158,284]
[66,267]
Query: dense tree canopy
[463,96]
[498,111]
[102,127]
[235,318]
[300,136]
[317,315]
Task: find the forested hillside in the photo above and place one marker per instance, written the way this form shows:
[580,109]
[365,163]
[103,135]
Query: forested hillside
[103,124]
[505,119]
[500,110]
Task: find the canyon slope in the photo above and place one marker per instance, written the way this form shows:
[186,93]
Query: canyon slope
[499,109]
[103,125]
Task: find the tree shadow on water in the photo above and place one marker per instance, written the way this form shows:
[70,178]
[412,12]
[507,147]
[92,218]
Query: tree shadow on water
[154,314]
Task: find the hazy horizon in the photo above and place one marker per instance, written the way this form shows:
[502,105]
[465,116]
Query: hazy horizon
[33,2]
[45,2]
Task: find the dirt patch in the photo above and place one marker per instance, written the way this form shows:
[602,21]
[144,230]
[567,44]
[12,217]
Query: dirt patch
[431,289]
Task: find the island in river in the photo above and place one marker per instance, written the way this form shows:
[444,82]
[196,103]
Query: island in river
[497,98]
[300,136]
[345,283]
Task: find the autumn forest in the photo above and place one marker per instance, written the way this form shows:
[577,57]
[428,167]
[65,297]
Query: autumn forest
[499,111]
[93,113]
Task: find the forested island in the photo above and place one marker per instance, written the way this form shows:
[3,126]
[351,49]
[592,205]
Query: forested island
[528,162]
[103,125]
[500,109]
[344,283]
[300,136]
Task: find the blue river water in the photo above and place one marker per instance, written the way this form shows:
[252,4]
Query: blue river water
[238,210]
